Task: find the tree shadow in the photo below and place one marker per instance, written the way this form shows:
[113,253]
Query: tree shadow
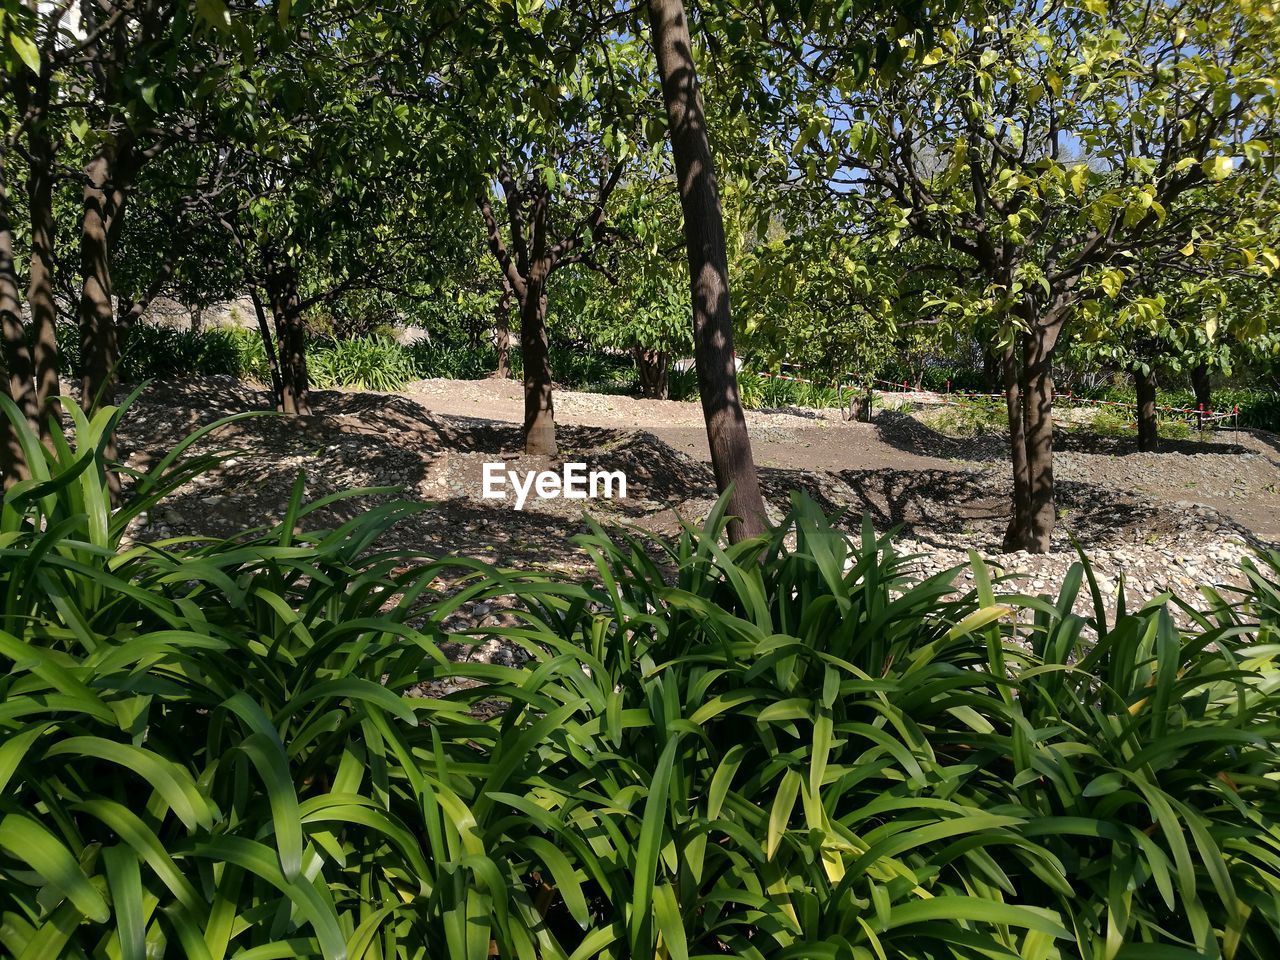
[1083,441]
[355,441]
[904,432]
[942,507]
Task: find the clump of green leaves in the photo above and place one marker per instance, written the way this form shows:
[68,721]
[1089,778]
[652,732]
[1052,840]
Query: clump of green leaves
[969,418]
[841,760]
[787,747]
[366,363]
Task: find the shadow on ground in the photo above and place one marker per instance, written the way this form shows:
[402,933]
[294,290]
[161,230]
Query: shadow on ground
[360,440]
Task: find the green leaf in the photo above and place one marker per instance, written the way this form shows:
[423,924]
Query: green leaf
[35,846]
[26,50]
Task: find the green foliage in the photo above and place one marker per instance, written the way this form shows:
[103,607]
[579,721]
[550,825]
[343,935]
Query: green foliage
[969,418]
[784,748]
[1258,408]
[1111,422]
[645,300]
[157,351]
[819,301]
[683,385]
[833,738]
[457,362]
[207,745]
[1174,429]
[367,363]
[761,392]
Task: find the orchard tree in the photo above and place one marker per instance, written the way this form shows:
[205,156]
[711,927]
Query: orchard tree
[542,237]
[38,43]
[1050,144]
[1193,318]
[639,302]
[149,76]
[333,185]
[705,248]
[562,125]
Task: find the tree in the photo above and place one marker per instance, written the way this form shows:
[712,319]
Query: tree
[968,142]
[730,446]
[1193,313]
[640,301]
[325,183]
[531,253]
[824,301]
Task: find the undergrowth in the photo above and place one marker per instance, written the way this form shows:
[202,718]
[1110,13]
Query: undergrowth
[786,748]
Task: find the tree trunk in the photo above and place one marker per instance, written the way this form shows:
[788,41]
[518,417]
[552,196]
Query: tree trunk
[197,319]
[502,333]
[291,338]
[1148,424]
[991,370]
[1037,405]
[539,414]
[97,317]
[21,380]
[98,348]
[1016,535]
[1202,386]
[269,346]
[1029,401]
[44,311]
[727,438]
[652,367]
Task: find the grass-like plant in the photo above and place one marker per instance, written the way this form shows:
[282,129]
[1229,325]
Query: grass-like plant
[206,747]
[367,363]
[969,418]
[787,748]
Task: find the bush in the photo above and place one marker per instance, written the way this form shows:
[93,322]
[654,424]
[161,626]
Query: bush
[839,761]
[760,392]
[155,351]
[366,363]
[1112,422]
[683,384]
[783,748]
[457,362]
[970,418]
[208,747]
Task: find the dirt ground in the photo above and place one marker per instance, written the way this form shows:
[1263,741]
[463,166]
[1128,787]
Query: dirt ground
[1237,473]
[1175,519]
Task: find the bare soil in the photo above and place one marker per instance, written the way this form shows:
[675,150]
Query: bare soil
[1173,519]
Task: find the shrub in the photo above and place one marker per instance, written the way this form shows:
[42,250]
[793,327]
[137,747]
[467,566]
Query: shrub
[208,748]
[790,747]
[458,362]
[838,761]
[683,384]
[366,363]
[969,418]
[1112,422]
[759,392]
[1258,408]
[1174,429]
[156,351]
